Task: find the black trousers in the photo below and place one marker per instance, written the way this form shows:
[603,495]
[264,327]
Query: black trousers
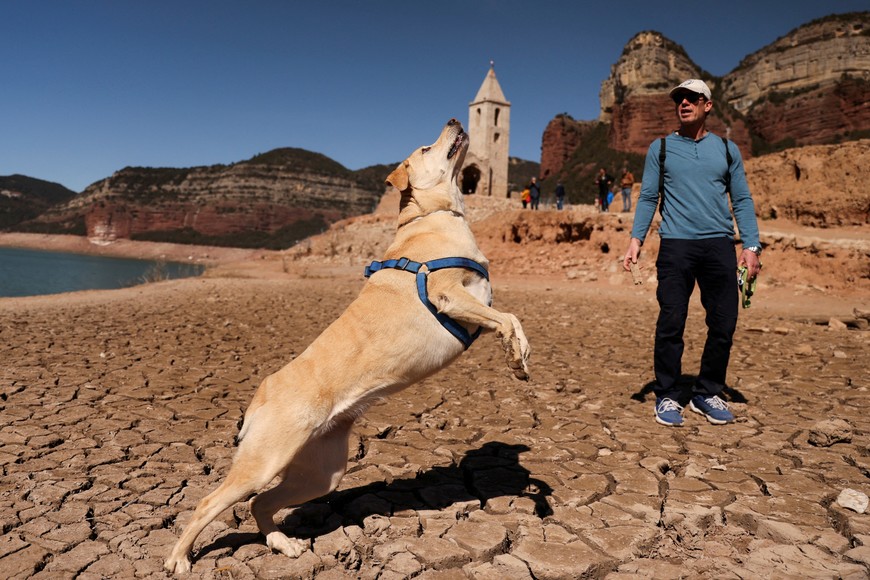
[712,263]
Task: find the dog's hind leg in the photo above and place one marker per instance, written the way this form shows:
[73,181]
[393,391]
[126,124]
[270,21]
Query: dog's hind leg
[254,466]
[236,487]
[316,470]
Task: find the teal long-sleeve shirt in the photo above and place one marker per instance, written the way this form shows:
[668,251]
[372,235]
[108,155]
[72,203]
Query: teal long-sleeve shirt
[695,201]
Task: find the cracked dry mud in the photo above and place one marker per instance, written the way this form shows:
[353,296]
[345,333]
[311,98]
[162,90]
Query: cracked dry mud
[119,411]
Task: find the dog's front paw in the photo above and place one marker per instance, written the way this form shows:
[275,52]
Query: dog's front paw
[177,565]
[522,373]
[517,350]
[292,548]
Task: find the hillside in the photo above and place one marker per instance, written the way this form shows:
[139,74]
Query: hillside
[23,198]
[271,200]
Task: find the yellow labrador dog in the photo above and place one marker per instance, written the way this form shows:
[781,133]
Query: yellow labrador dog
[419,310]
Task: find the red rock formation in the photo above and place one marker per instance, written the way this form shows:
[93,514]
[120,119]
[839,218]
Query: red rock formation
[561,137]
[643,118]
[639,120]
[824,115]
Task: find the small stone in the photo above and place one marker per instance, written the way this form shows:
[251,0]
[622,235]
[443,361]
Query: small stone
[829,432]
[804,349]
[854,500]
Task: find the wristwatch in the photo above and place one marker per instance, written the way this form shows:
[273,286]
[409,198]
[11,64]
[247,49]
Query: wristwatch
[754,249]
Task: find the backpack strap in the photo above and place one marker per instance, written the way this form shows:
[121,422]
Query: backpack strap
[728,172]
[662,153]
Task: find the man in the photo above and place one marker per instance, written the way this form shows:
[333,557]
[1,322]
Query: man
[697,244]
[626,183]
[560,195]
[603,181]
[535,193]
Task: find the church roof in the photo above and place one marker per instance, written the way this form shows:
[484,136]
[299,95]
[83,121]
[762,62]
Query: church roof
[490,90]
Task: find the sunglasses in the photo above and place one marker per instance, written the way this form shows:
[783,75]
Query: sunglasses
[691,97]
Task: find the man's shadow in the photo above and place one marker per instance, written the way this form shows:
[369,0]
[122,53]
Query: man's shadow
[493,470]
[685,383]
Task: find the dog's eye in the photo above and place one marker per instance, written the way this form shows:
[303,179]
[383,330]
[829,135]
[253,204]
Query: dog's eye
[425,149]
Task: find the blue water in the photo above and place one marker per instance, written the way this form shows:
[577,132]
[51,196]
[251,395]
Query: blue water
[33,272]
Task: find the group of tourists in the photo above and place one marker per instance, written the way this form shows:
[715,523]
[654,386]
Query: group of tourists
[606,193]
[531,196]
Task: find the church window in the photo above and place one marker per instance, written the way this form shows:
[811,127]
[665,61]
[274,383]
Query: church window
[495,138]
[497,111]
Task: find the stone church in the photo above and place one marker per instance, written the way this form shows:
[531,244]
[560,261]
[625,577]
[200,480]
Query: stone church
[486,164]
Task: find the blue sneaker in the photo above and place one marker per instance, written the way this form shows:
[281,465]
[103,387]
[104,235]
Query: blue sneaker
[712,407]
[669,412]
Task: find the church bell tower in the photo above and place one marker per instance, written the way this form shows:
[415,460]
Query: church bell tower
[486,164]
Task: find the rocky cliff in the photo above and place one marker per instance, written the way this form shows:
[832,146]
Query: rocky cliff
[561,138]
[817,54]
[650,65]
[811,86]
[272,200]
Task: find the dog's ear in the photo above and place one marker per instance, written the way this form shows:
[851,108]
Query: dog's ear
[399,177]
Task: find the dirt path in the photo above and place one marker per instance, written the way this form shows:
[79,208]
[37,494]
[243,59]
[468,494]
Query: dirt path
[119,410]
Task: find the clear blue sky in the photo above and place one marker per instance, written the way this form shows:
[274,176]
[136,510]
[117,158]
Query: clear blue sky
[89,87]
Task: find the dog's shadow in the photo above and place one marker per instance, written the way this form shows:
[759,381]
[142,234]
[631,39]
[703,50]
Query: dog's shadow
[490,471]
[685,385]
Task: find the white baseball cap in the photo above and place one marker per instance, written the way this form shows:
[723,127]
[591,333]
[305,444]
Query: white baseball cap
[694,85]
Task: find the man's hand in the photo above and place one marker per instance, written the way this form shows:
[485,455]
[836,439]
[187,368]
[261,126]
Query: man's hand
[632,254]
[750,259]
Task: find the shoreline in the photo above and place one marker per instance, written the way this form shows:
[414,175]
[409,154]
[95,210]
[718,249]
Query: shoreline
[776,297]
[208,256]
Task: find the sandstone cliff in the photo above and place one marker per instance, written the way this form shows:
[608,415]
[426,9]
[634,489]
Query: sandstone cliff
[650,64]
[284,195]
[808,87]
[561,138]
[820,53]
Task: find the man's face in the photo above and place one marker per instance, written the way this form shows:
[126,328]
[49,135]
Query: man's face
[691,107]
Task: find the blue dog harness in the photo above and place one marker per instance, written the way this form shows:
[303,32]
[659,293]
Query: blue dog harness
[408,265]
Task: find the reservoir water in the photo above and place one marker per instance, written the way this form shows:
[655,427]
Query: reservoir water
[33,272]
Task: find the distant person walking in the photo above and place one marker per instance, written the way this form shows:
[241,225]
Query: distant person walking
[526,198]
[603,181]
[697,245]
[626,182]
[535,193]
[560,195]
